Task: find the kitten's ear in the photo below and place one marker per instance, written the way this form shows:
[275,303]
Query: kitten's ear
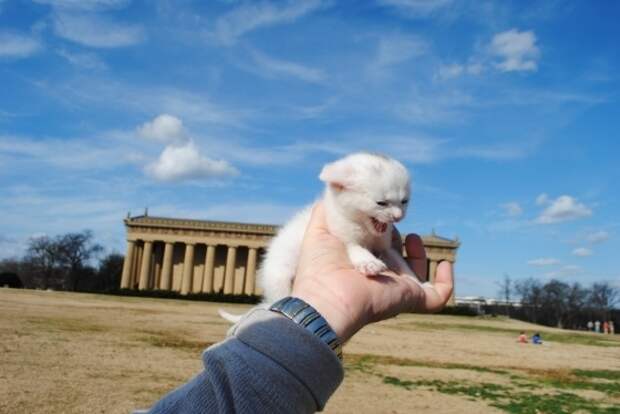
[339,174]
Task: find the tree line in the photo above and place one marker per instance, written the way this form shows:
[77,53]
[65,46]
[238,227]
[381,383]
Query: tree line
[75,262]
[560,304]
[71,261]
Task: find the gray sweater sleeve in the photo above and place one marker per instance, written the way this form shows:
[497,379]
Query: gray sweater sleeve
[268,364]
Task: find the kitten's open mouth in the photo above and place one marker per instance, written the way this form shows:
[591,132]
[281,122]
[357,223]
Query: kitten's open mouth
[380,226]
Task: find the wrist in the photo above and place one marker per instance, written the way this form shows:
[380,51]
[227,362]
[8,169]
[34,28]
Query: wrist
[340,315]
[306,316]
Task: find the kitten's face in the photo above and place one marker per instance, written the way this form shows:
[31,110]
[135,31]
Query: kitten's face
[373,190]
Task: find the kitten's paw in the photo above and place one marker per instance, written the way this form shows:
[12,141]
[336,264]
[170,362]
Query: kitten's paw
[370,267]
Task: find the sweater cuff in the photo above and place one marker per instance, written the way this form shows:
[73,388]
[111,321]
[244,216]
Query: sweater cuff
[301,353]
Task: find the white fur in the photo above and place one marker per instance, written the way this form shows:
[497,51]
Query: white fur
[354,185]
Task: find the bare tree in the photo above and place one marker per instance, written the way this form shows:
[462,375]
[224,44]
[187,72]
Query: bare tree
[9,273]
[530,290]
[10,265]
[505,291]
[76,250]
[42,263]
[109,273]
[603,298]
[505,287]
[554,302]
[60,261]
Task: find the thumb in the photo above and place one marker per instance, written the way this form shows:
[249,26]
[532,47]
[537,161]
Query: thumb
[439,293]
[317,224]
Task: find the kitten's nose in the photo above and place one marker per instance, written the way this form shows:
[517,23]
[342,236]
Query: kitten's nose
[397,215]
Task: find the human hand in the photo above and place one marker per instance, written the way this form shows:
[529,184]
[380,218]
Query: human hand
[348,300]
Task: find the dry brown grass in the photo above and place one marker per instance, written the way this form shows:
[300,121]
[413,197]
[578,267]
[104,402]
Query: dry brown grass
[74,353]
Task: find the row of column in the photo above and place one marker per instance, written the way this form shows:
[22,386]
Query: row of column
[207,277]
[139,264]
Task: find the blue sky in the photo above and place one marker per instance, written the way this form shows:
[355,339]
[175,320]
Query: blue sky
[506,113]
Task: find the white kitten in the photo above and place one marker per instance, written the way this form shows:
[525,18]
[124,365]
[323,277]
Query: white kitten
[364,195]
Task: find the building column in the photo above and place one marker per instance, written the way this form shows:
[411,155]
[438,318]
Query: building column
[432,269]
[188,269]
[166,270]
[250,272]
[128,265]
[134,278]
[229,275]
[157,262]
[452,300]
[207,281]
[145,269]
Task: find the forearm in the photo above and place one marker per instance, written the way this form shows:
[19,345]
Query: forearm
[268,364]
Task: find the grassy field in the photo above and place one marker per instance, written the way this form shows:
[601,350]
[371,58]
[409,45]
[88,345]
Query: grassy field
[79,353]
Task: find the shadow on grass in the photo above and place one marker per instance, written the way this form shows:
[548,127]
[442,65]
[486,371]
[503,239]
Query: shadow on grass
[360,360]
[65,325]
[162,339]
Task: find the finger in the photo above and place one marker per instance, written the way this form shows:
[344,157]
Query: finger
[317,223]
[416,256]
[438,294]
[397,241]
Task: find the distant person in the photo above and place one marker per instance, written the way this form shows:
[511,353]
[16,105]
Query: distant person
[605,327]
[590,326]
[597,326]
[522,338]
[611,328]
[536,339]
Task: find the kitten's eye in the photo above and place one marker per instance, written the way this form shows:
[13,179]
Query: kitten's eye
[382,203]
[405,201]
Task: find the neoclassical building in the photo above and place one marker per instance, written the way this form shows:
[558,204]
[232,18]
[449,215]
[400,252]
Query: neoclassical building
[198,256]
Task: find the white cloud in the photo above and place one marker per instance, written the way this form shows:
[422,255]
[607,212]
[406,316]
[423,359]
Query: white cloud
[254,15]
[517,50]
[455,70]
[597,237]
[271,67]
[107,92]
[164,128]
[417,8]
[95,31]
[177,163]
[85,4]
[563,208]
[475,68]
[512,209]
[450,71]
[432,108]
[501,151]
[314,111]
[393,50]
[543,261]
[83,60]
[76,154]
[582,252]
[564,271]
[542,199]
[415,148]
[396,49]
[13,45]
